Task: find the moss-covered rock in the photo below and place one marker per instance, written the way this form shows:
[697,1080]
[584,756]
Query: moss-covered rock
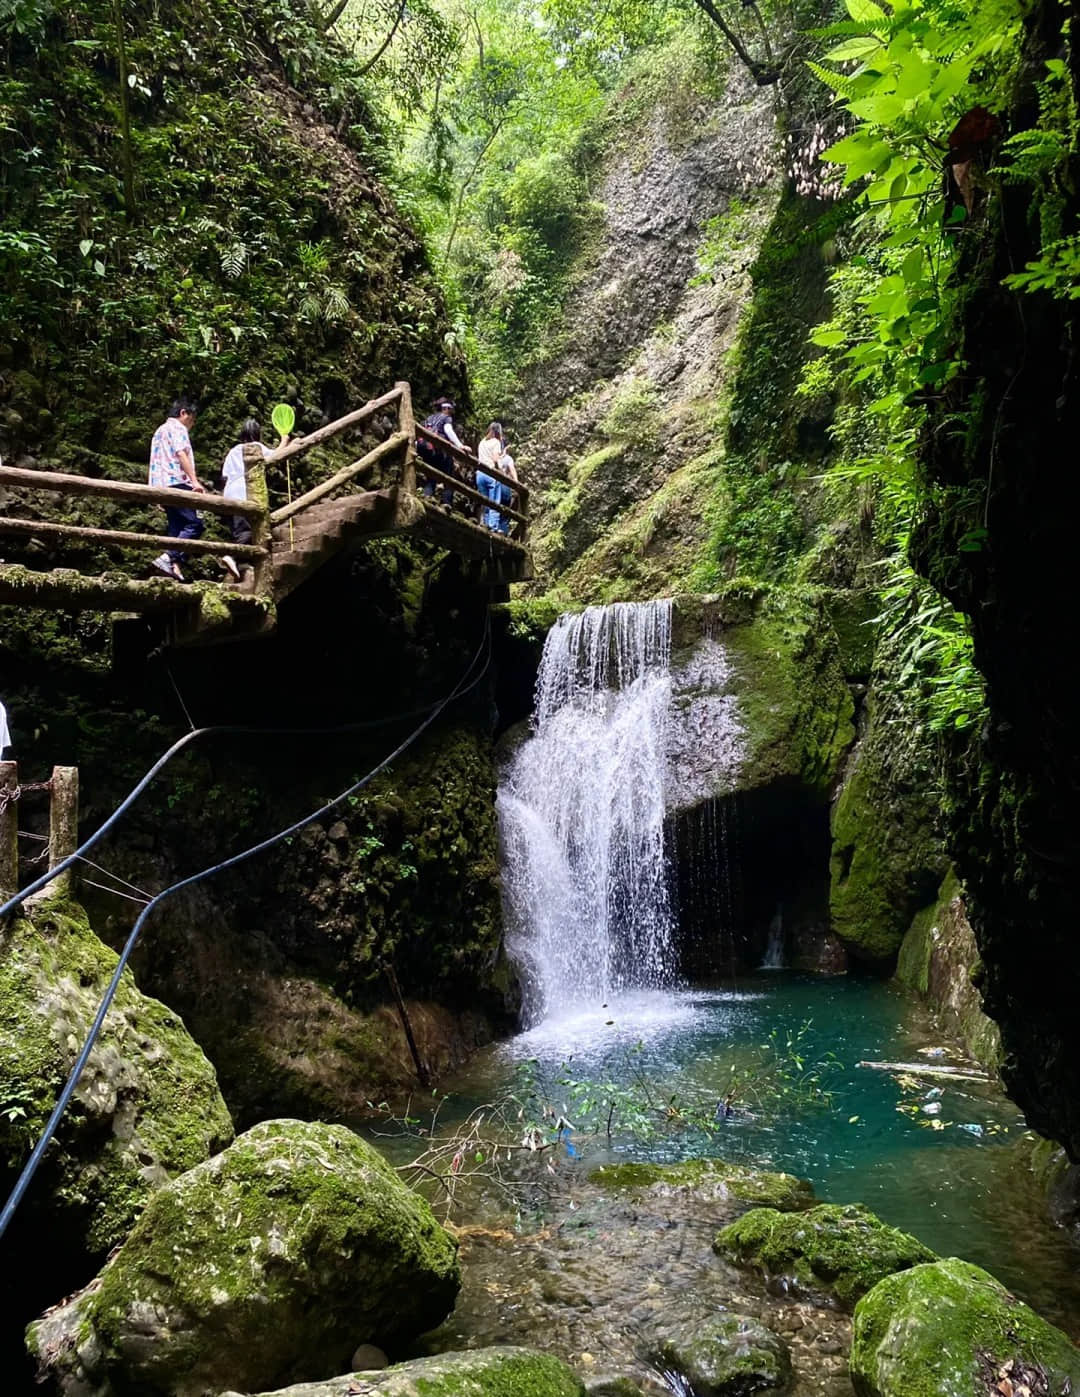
[758,691]
[939,960]
[146,1108]
[834,1250]
[950,1327]
[888,855]
[728,1355]
[485,1372]
[269,1262]
[711,1179]
[1055,1177]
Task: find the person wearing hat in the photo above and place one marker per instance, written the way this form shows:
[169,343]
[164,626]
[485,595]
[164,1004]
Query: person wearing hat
[441,422]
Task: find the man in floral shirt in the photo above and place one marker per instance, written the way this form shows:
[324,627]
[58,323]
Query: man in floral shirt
[172,467]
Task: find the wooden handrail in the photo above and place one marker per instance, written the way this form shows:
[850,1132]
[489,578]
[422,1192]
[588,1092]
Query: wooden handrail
[121,536]
[468,459]
[343,476]
[333,428]
[433,472]
[126,490]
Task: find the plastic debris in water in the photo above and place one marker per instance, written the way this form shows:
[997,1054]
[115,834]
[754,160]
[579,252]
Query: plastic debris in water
[932,1108]
[972,1128]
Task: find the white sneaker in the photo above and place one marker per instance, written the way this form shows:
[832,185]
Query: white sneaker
[164,564]
[229,564]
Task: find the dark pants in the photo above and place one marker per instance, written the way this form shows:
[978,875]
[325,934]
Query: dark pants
[182,523]
[241,528]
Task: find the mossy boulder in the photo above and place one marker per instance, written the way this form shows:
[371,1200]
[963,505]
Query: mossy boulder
[485,1372]
[268,1263]
[939,960]
[728,1355]
[949,1327]
[146,1108]
[715,1180]
[834,1251]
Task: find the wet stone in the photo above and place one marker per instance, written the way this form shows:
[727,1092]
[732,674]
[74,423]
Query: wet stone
[728,1355]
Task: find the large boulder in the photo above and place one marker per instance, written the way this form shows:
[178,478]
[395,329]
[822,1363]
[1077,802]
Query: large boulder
[728,1355]
[146,1108]
[837,1251]
[485,1372]
[949,1327]
[266,1264]
[712,1180]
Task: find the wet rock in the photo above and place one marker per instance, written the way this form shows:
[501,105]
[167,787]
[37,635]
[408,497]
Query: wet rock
[367,1358]
[264,1264]
[709,1179]
[950,1327]
[146,1108]
[728,1356]
[485,1372]
[608,1385]
[833,1251]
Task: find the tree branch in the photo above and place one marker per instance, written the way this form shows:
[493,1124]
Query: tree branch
[762,74]
[386,42]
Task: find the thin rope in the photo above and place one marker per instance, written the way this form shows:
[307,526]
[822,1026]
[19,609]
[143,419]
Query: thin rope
[179,695]
[89,882]
[110,874]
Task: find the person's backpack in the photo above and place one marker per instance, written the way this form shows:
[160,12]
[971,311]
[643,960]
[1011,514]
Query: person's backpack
[424,449]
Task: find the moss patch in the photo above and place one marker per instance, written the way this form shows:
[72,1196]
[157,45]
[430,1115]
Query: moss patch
[709,1178]
[939,960]
[273,1259]
[952,1328]
[840,1250]
[147,1107]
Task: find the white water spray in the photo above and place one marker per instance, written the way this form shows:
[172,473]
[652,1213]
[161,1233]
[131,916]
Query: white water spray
[581,813]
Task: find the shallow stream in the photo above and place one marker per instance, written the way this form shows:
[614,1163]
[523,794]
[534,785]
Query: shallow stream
[591,1273]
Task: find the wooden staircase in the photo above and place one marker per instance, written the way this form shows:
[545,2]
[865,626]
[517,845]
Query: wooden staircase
[431,494]
[304,544]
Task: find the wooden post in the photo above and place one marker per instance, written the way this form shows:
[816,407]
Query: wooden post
[63,821]
[255,485]
[9,830]
[407,424]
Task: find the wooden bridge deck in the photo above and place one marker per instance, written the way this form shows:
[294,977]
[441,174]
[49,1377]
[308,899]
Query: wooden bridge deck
[289,544]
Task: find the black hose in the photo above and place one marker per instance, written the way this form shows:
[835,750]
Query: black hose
[30,1169]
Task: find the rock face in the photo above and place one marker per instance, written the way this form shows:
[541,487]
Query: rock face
[888,854]
[486,1372]
[940,961]
[269,1262]
[146,1109]
[834,1250]
[709,1179]
[728,1356]
[952,1328]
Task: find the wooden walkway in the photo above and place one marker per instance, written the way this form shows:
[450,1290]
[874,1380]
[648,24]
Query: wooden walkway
[290,543]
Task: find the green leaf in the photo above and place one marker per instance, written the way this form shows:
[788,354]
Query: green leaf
[864,11]
[853,48]
[86,246]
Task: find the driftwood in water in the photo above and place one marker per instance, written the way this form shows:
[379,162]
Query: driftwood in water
[926,1069]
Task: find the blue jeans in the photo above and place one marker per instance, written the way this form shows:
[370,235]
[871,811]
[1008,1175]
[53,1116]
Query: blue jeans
[505,496]
[490,489]
[182,523]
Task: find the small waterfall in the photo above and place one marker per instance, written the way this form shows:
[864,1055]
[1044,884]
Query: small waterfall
[774,950]
[581,812]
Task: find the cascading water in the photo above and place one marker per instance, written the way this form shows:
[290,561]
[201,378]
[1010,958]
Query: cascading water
[581,813]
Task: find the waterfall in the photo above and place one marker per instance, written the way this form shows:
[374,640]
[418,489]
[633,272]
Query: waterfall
[581,812]
[774,951]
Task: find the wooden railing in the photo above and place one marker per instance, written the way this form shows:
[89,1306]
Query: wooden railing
[408,473]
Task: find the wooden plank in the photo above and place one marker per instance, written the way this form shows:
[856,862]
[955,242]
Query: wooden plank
[342,477]
[125,490]
[433,473]
[468,459]
[407,424]
[332,428]
[121,538]
[256,489]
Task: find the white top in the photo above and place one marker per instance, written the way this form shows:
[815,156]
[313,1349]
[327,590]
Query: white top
[5,735]
[506,465]
[233,471]
[490,450]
